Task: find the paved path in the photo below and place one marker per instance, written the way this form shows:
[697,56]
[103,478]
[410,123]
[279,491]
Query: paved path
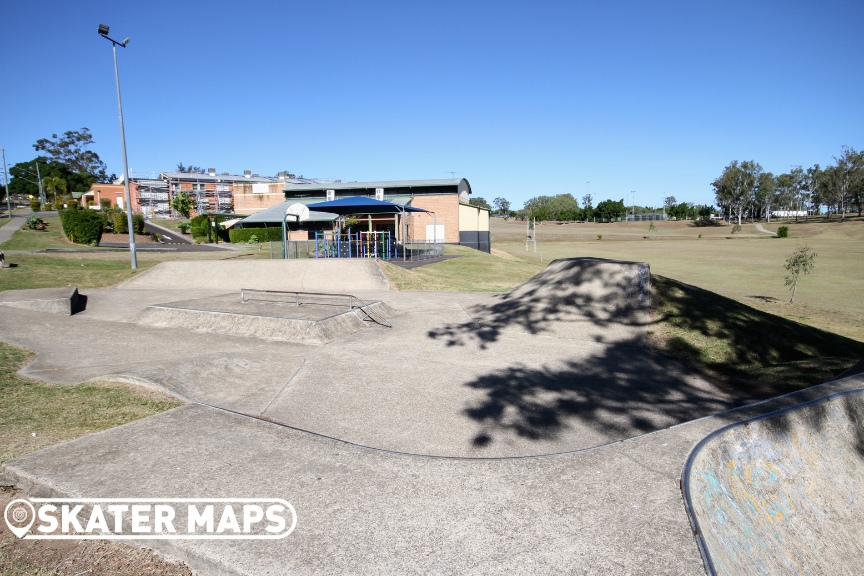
[18,219]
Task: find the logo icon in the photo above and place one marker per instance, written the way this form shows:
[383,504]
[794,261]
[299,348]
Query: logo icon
[20,515]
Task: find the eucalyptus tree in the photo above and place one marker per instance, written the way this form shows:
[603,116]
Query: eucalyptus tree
[736,186]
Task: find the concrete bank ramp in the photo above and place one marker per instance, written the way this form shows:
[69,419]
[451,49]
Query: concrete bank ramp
[310,275]
[782,494]
[578,295]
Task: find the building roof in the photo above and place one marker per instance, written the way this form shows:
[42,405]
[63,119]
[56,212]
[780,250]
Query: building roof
[220,177]
[363,205]
[275,214]
[292,187]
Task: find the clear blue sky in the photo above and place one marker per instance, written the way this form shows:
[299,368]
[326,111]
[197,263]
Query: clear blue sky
[521,99]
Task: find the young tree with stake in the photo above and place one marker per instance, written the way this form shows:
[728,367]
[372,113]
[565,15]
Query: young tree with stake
[800,262]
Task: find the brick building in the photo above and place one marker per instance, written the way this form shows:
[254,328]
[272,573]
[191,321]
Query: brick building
[453,219]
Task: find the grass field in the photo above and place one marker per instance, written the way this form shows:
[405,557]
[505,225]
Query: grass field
[747,267]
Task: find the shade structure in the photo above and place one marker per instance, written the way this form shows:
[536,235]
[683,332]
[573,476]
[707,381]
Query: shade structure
[362,205]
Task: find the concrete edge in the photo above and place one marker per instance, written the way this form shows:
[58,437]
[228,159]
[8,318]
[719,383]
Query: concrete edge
[762,410]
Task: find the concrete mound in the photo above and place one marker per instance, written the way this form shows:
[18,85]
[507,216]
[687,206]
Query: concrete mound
[572,295]
[781,494]
[53,300]
[323,275]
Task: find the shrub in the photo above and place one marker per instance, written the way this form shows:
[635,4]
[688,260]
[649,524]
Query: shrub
[35,223]
[58,205]
[82,226]
[120,225]
[199,225]
[72,204]
[105,204]
[253,239]
[599,236]
[138,223]
[183,227]
[91,203]
[244,235]
[35,205]
[783,232]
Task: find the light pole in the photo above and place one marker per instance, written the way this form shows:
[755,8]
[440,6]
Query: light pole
[633,203]
[6,184]
[103,31]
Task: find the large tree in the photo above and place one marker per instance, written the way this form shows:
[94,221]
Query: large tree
[611,210]
[25,182]
[71,149]
[844,178]
[502,206]
[481,202]
[765,195]
[736,186]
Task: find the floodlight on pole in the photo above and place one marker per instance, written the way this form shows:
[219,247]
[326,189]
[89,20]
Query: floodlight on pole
[127,198]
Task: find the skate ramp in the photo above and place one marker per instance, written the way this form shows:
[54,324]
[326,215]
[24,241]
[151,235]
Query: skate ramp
[781,494]
[322,275]
[574,298]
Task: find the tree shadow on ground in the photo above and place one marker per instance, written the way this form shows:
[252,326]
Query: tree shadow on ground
[621,392]
[749,351]
[625,391]
[601,292]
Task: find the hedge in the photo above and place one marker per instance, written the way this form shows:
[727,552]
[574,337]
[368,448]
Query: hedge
[82,226]
[243,235]
[199,225]
[138,223]
[121,225]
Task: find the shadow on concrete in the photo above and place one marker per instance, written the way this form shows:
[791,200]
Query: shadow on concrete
[620,393]
[601,292]
[79,304]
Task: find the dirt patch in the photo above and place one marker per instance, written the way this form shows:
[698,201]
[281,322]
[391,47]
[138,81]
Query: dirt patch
[503,254]
[77,557]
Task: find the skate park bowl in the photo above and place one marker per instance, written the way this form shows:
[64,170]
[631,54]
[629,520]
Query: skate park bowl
[277,315]
[781,494]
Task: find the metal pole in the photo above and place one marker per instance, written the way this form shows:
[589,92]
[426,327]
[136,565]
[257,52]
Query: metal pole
[126,195]
[39,181]
[6,184]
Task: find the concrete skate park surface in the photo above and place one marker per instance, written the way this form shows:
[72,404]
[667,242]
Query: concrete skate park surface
[411,448]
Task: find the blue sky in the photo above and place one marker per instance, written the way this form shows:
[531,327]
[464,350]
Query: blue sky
[521,99]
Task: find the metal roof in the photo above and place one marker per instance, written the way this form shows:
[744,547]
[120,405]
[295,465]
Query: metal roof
[275,214]
[364,205]
[196,177]
[290,187]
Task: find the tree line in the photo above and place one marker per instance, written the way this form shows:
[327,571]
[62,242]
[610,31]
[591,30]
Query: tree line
[565,207]
[745,190]
[66,164]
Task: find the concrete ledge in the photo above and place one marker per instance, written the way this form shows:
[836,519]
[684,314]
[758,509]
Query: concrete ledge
[280,329]
[53,300]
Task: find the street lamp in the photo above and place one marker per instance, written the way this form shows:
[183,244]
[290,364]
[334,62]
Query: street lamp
[103,31]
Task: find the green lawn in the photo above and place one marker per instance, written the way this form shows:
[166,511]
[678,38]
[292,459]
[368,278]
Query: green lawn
[748,269]
[32,240]
[34,415]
